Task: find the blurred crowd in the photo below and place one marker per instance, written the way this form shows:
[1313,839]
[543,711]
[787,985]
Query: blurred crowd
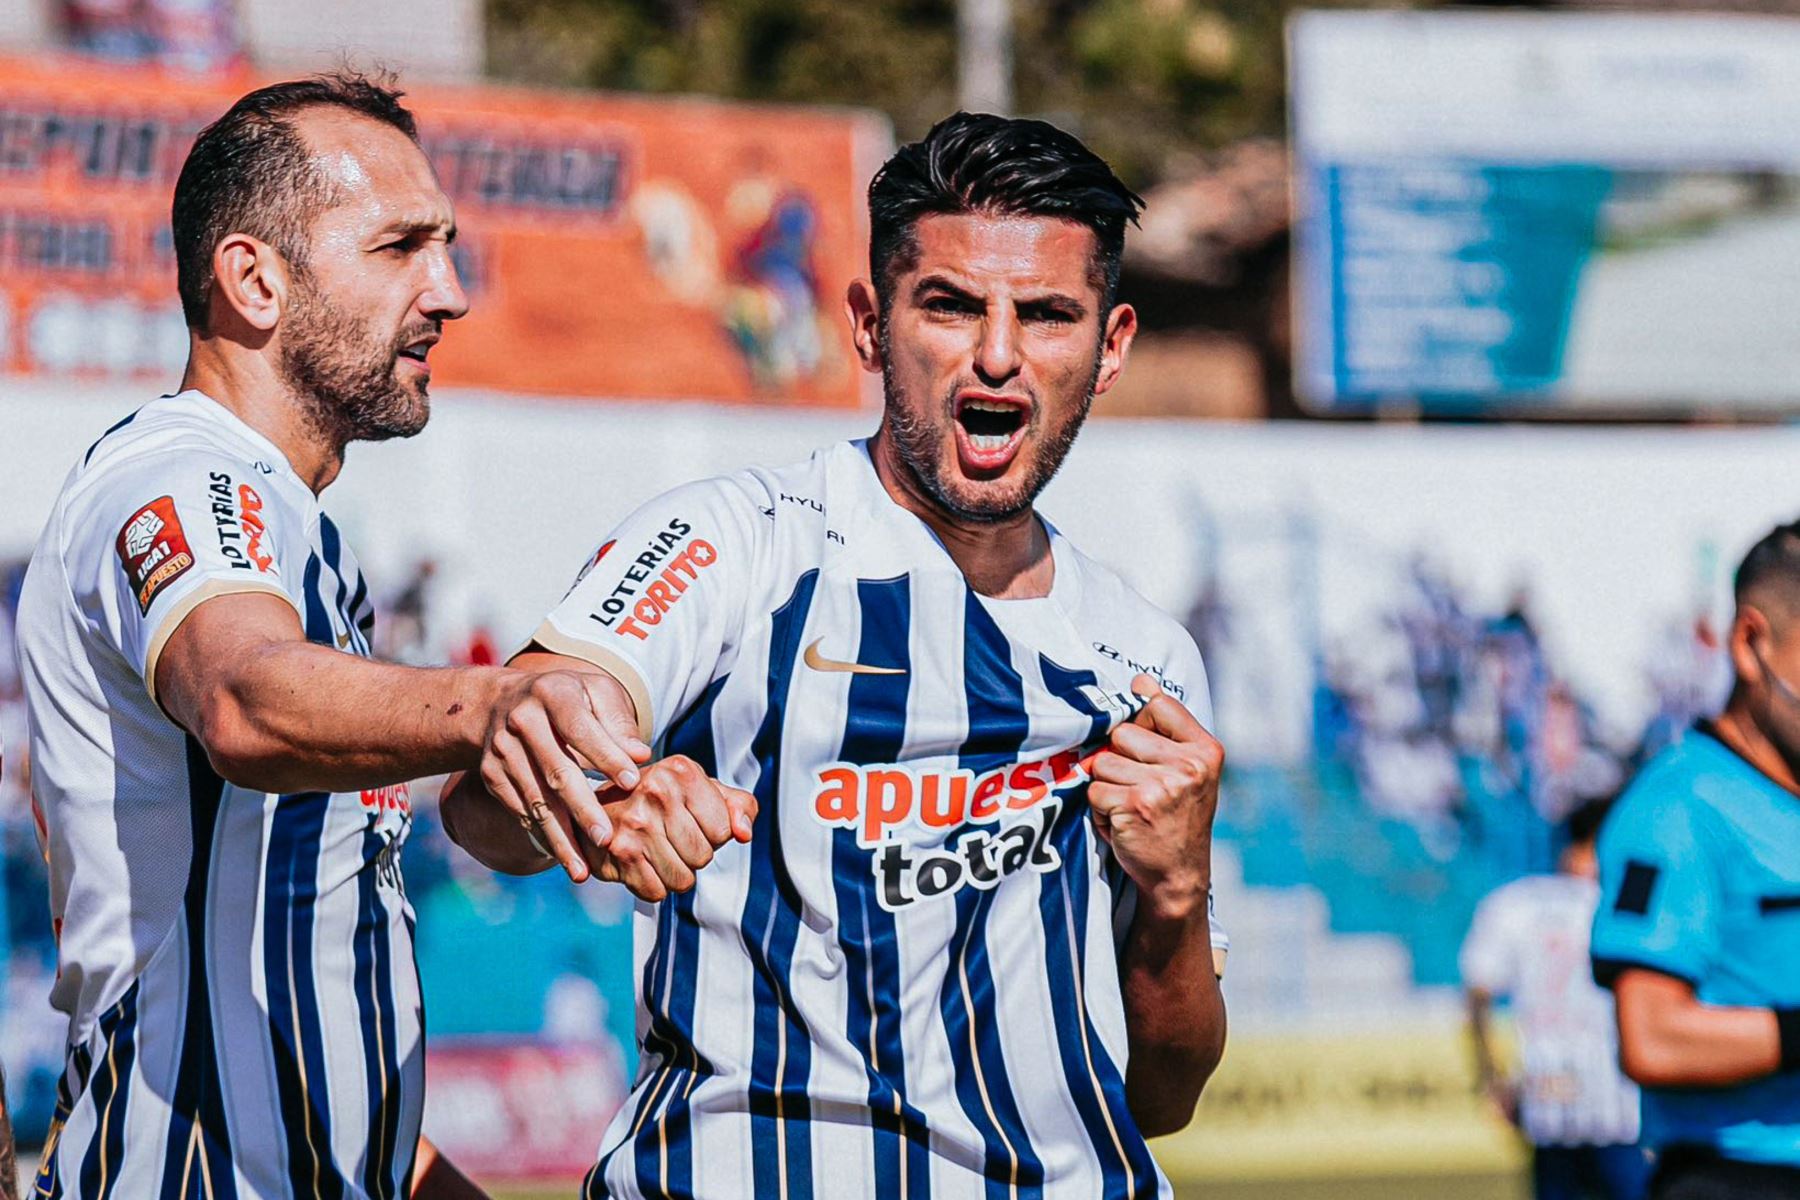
[1475,712]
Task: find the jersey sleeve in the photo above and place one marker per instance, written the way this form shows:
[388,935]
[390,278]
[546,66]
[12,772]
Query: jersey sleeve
[1489,957]
[1659,890]
[161,534]
[660,605]
[1184,677]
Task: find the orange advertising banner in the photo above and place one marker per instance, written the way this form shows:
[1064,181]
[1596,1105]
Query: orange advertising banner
[612,246]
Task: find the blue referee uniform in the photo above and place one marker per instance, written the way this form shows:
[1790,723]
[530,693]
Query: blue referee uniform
[1700,879]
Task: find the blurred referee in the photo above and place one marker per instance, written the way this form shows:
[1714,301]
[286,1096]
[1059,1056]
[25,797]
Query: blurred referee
[1698,931]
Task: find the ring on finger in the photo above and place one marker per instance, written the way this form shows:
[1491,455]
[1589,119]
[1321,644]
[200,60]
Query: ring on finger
[539,814]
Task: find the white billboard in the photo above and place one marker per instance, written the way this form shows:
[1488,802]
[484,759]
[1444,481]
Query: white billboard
[1547,213]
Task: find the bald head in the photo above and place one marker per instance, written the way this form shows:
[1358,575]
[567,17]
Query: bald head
[258,170]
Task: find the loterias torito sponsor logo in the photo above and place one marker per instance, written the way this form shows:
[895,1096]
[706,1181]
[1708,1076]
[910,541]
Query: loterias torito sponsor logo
[655,580]
[237,513]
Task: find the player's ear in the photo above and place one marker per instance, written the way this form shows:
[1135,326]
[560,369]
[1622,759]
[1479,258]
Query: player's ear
[1750,631]
[1115,344]
[863,306]
[251,279]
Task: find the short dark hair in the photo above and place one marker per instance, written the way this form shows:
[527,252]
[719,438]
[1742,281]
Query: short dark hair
[1773,561]
[980,163]
[1584,822]
[249,172]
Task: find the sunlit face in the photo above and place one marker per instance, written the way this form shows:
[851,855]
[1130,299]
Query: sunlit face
[377,285]
[991,350]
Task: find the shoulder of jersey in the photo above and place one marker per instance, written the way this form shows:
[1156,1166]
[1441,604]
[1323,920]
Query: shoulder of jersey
[163,426]
[791,496]
[1534,889]
[1669,777]
[1103,587]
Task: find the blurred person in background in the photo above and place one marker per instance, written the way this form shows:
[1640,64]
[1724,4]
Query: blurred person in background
[944,956]
[1698,930]
[219,765]
[1529,945]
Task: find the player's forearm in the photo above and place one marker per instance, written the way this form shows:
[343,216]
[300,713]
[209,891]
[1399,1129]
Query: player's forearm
[487,830]
[293,716]
[1174,1016]
[1480,1008]
[1668,1039]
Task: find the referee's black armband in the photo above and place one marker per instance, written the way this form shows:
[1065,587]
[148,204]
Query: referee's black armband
[1787,1025]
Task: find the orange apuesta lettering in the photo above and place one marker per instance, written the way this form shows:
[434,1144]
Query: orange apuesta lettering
[662,592]
[876,800]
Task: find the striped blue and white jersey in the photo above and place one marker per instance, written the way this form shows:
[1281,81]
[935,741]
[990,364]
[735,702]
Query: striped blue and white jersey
[906,984]
[237,967]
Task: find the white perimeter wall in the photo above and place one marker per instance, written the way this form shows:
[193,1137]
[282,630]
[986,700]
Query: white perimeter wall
[1618,533]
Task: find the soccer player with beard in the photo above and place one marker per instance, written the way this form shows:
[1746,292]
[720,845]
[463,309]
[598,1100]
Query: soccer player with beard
[219,766]
[967,950]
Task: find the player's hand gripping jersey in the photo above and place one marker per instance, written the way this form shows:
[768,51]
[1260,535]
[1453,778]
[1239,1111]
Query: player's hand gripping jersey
[237,966]
[905,985]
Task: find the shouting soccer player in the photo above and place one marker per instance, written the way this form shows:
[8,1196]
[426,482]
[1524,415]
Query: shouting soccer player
[220,767]
[968,945]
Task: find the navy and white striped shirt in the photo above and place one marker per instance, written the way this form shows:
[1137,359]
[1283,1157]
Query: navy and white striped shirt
[237,967]
[906,984]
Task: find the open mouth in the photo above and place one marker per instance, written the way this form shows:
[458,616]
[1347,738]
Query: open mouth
[417,349]
[990,430]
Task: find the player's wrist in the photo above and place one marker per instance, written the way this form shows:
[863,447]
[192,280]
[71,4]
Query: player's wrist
[1787,1028]
[1179,901]
[473,709]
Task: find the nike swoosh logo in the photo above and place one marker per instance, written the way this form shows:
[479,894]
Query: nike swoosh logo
[819,662]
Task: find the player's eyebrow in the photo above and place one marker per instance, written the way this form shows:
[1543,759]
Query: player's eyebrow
[406,227]
[945,285]
[1061,302]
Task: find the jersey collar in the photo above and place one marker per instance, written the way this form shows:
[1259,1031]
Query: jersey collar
[1063,584]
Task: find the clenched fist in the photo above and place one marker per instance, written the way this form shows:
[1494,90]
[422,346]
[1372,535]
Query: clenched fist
[667,827]
[1154,794]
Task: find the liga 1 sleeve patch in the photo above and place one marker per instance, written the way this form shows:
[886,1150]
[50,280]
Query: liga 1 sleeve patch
[154,550]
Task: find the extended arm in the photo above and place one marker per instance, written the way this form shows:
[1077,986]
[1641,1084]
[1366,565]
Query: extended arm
[1667,1038]
[278,713]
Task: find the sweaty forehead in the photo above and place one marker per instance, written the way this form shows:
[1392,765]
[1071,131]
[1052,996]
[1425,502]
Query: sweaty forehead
[375,170]
[1018,252]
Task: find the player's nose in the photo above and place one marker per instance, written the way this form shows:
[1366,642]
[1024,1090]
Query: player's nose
[443,298]
[997,354]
